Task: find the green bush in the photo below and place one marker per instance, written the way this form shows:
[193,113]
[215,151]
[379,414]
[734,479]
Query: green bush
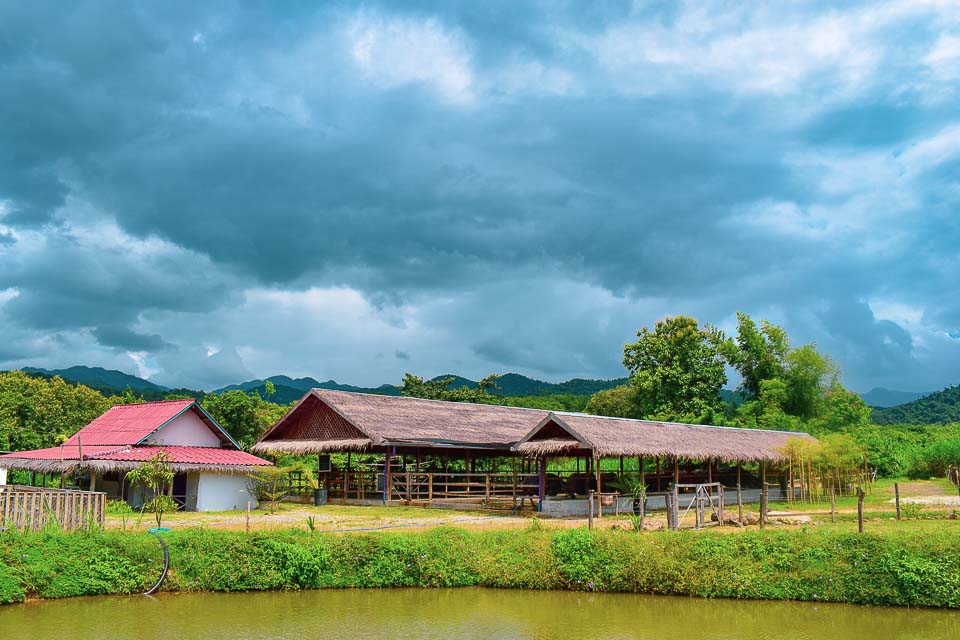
[894,568]
[10,589]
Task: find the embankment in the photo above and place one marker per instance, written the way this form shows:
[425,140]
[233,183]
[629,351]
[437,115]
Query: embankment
[799,564]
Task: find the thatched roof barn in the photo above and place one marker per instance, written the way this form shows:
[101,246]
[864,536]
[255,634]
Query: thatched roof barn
[325,421]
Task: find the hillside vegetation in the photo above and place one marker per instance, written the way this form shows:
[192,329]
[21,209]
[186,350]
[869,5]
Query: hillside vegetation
[941,407]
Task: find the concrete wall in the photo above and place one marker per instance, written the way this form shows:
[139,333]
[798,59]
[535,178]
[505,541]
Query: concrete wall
[223,492]
[187,429]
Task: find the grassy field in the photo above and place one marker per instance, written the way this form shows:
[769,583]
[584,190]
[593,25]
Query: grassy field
[878,504]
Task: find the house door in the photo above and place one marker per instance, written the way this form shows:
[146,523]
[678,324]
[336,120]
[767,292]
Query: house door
[180,489]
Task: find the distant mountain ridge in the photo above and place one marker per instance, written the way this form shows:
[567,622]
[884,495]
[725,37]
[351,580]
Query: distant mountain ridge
[936,408]
[882,397]
[99,378]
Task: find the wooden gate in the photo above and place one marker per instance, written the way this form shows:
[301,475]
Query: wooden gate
[33,508]
[705,497]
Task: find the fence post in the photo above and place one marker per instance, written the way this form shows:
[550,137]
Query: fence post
[739,504]
[408,487]
[720,509]
[833,505]
[764,497]
[486,488]
[860,495]
[590,508]
[896,496]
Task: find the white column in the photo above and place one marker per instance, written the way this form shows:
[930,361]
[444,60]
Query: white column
[3,476]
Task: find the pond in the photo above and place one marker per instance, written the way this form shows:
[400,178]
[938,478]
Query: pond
[462,614]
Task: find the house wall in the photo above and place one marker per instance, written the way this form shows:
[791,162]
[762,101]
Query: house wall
[193,489]
[223,492]
[3,476]
[187,429]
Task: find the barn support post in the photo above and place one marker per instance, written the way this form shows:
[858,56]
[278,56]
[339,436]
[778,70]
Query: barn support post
[386,477]
[658,473]
[541,483]
[739,494]
[676,471]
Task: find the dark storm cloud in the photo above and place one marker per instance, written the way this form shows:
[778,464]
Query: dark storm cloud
[666,158]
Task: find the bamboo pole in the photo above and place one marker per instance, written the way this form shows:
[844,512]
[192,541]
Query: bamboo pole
[739,494]
[833,505]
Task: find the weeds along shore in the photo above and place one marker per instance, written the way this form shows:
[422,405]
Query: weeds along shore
[893,567]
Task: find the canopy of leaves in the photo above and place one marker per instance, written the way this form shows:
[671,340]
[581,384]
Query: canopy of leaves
[677,370]
[416,387]
[245,416]
[937,408]
[37,412]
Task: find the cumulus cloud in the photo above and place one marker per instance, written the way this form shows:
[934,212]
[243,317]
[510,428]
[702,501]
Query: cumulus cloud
[217,192]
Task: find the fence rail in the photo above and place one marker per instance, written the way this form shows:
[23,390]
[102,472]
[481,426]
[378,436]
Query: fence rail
[33,508]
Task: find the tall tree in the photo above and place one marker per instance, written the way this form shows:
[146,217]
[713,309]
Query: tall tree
[759,353]
[677,370]
[808,376]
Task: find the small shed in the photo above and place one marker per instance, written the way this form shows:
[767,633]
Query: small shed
[210,467]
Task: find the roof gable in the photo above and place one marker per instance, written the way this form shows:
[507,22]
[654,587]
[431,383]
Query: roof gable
[130,424]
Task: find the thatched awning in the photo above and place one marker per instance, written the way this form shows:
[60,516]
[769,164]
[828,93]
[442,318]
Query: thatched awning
[605,437]
[548,446]
[302,447]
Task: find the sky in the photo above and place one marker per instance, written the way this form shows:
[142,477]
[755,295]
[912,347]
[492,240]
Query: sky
[203,193]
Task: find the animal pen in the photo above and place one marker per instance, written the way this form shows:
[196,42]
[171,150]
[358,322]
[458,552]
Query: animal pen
[411,451]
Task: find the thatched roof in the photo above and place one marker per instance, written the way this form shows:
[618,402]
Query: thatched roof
[326,420]
[606,436]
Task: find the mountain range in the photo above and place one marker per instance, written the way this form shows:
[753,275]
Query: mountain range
[890,405]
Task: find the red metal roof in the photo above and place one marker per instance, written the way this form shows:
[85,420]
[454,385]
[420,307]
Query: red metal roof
[177,454]
[185,455]
[128,424]
[64,453]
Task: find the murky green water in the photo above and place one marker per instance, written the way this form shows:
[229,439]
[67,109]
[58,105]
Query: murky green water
[463,614]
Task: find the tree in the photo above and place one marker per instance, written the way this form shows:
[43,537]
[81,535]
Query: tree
[245,416]
[677,370]
[808,376]
[619,402]
[844,410]
[416,387]
[156,475]
[37,412]
[758,354]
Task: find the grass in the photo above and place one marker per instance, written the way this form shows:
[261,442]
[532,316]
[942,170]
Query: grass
[894,563]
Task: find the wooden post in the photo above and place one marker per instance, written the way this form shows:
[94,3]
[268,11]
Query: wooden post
[248,516]
[386,478]
[486,488]
[676,471]
[658,473]
[860,495]
[541,483]
[739,494]
[409,496]
[833,505]
[590,509]
[446,475]
[896,495]
[763,505]
[93,480]
[709,471]
[599,488]
[430,487]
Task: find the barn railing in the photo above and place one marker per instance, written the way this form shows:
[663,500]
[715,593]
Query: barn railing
[33,508]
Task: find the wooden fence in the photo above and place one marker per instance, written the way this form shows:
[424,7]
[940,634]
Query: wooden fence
[33,508]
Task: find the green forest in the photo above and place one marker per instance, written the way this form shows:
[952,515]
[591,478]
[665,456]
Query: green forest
[674,371]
